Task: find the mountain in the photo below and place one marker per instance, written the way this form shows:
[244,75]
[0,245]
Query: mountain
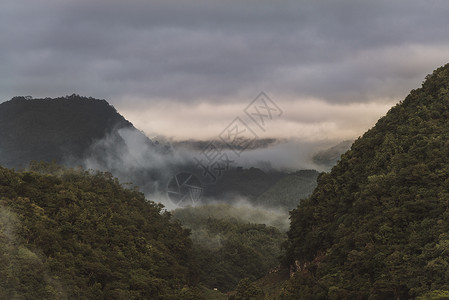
[200,145]
[377,225]
[73,234]
[80,131]
[60,129]
[329,157]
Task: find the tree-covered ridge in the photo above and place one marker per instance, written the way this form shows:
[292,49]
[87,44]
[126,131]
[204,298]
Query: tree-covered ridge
[249,183]
[73,234]
[60,129]
[377,226]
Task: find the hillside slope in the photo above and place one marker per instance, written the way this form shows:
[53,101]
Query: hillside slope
[377,225]
[60,129]
[289,190]
[229,247]
[70,234]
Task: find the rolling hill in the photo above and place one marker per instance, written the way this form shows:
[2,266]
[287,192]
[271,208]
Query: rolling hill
[60,129]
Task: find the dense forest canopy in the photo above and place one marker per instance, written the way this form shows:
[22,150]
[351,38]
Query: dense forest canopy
[377,225]
[75,234]
[228,247]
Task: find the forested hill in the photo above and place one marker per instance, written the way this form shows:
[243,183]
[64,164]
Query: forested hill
[71,234]
[377,225]
[60,129]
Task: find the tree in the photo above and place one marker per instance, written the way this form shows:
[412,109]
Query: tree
[248,290]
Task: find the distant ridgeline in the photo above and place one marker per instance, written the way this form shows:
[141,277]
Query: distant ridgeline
[329,157]
[75,130]
[60,129]
[377,225]
[268,189]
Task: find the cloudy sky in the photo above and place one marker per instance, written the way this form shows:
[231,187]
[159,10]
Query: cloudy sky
[188,68]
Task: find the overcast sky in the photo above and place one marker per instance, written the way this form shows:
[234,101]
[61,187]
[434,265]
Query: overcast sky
[188,68]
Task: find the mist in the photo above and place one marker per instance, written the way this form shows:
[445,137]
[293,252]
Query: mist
[287,155]
[242,211]
[134,159]
[149,165]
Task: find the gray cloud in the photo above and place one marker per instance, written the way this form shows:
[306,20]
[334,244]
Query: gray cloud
[143,52]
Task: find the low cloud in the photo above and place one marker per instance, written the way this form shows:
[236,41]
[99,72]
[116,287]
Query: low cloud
[162,60]
[240,209]
[133,158]
[129,155]
[306,119]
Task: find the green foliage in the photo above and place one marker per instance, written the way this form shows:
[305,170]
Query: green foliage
[273,282]
[229,249]
[211,294]
[288,191]
[194,217]
[376,227]
[248,290]
[80,235]
[435,295]
[248,183]
[274,189]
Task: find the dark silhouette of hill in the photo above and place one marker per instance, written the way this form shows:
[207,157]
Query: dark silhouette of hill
[377,225]
[273,189]
[200,145]
[249,183]
[59,129]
